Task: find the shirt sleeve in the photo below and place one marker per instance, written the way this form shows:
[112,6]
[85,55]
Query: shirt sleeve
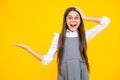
[52,50]
[105,21]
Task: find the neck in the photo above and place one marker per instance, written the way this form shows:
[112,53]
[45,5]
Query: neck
[71,31]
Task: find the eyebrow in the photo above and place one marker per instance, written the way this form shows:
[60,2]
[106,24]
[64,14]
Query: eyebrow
[75,15]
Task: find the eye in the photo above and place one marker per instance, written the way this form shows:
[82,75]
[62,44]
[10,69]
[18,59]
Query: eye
[76,18]
[69,17]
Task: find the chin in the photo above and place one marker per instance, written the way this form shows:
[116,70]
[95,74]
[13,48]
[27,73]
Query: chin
[73,30]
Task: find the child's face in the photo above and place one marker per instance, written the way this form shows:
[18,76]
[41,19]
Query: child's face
[73,20]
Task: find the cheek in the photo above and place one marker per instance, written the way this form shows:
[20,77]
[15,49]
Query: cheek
[78,22]
[67,22]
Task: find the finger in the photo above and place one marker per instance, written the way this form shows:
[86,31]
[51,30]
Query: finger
[76,7]
[19,45]
[14,43]
[79,9]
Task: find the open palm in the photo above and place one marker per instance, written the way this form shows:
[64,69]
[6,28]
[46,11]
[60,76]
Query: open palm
[21,45]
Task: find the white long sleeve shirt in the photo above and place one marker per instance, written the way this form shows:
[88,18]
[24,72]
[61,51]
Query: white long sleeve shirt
[89,35]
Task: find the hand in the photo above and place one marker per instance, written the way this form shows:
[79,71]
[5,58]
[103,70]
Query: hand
[21,45]
[81,13]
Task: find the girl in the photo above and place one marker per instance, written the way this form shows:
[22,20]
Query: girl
[71,45]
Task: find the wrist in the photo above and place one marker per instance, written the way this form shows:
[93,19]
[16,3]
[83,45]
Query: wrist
[28,48]
[85,18]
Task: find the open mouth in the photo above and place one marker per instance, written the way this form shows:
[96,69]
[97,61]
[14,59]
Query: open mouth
[73,25]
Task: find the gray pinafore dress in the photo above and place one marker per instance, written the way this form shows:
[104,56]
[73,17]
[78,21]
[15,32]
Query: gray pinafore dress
[73,67]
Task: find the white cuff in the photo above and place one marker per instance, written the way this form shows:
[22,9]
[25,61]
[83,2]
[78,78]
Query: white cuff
[47,59]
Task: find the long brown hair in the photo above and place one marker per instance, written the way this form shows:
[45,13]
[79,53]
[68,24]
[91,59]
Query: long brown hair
[82,40]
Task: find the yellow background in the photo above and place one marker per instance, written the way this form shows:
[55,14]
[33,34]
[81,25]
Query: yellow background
[32,22]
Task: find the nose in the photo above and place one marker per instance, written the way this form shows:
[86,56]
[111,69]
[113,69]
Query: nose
[73,19]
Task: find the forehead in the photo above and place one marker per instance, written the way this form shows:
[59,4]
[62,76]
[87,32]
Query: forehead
[73,13]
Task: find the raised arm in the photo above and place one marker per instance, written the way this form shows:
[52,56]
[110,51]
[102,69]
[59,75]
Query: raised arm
[52,50]
[102,24]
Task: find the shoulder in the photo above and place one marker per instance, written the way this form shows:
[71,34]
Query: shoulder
[56,34]
[86,31]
